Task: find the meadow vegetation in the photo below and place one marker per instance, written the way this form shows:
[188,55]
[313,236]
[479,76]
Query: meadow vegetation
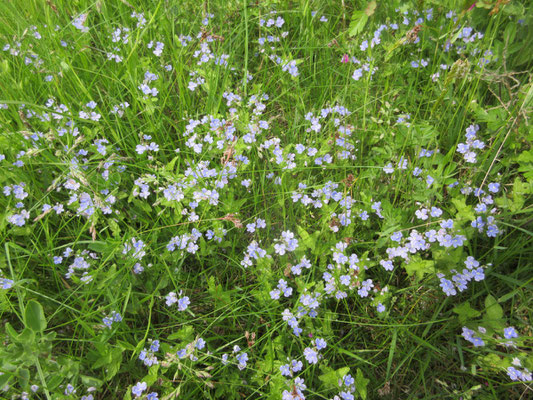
[266,199]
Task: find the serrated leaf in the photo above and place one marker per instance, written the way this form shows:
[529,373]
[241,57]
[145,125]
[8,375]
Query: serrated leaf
[525,157]
[151,377]
[115,228]
[419,267]
[307,240]
[23,375]
[114,366]
[331,377]
[99,247]
[361,383]
[359,20]
[464,211]
[514,8]
[182,334]
[465,312]
[34,317]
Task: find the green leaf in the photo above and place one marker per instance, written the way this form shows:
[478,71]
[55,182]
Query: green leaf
[151,377]
[125,345]
[493,310]
[113,368]
[419,267]
[514,8]
[23,375]
[26,337]
[464,211]
[54,381]
[465,312]
[359,20]
[525,157]
[217,292]
[331,377]
[309,241]
[4,379]
[91,381]
[13,334]
[509,33]
[34,317]
[361,383]
[182,334]
[64,66]
[115,228]
[4,67]
[494,361]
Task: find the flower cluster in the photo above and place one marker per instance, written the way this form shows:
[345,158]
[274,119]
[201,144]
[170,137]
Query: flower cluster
[190,350]
[147,356]
[183,302]
[113,317]
[347,387]
[241,357]
[511,361]
[472,143]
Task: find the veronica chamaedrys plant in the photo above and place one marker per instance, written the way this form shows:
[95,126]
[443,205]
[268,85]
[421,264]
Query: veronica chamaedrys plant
[239,201]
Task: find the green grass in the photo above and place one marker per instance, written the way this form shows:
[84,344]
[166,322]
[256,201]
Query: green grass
[413,349]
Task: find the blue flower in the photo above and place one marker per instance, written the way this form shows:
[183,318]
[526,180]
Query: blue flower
[200,344]
[6,283]
[320,344]
[510,332]
[447,287]
[242,358]
[183,303]
[285,370]
[138,389]
[388,169]
[154,346]
[357,74]
[311,355]
[396,236]
[296,365]
[494,187]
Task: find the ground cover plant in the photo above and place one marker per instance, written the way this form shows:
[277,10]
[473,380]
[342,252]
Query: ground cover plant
[266,199]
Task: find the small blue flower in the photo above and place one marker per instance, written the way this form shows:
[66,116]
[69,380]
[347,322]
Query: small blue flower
[285,370]
[494,187]
[154,346]
[138,389]
[200,344]
[320,344]
[296,365]
[510,332]
[242,358]
[396,236]
[183,303]
[357,74]
[6,283]
[311,355]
